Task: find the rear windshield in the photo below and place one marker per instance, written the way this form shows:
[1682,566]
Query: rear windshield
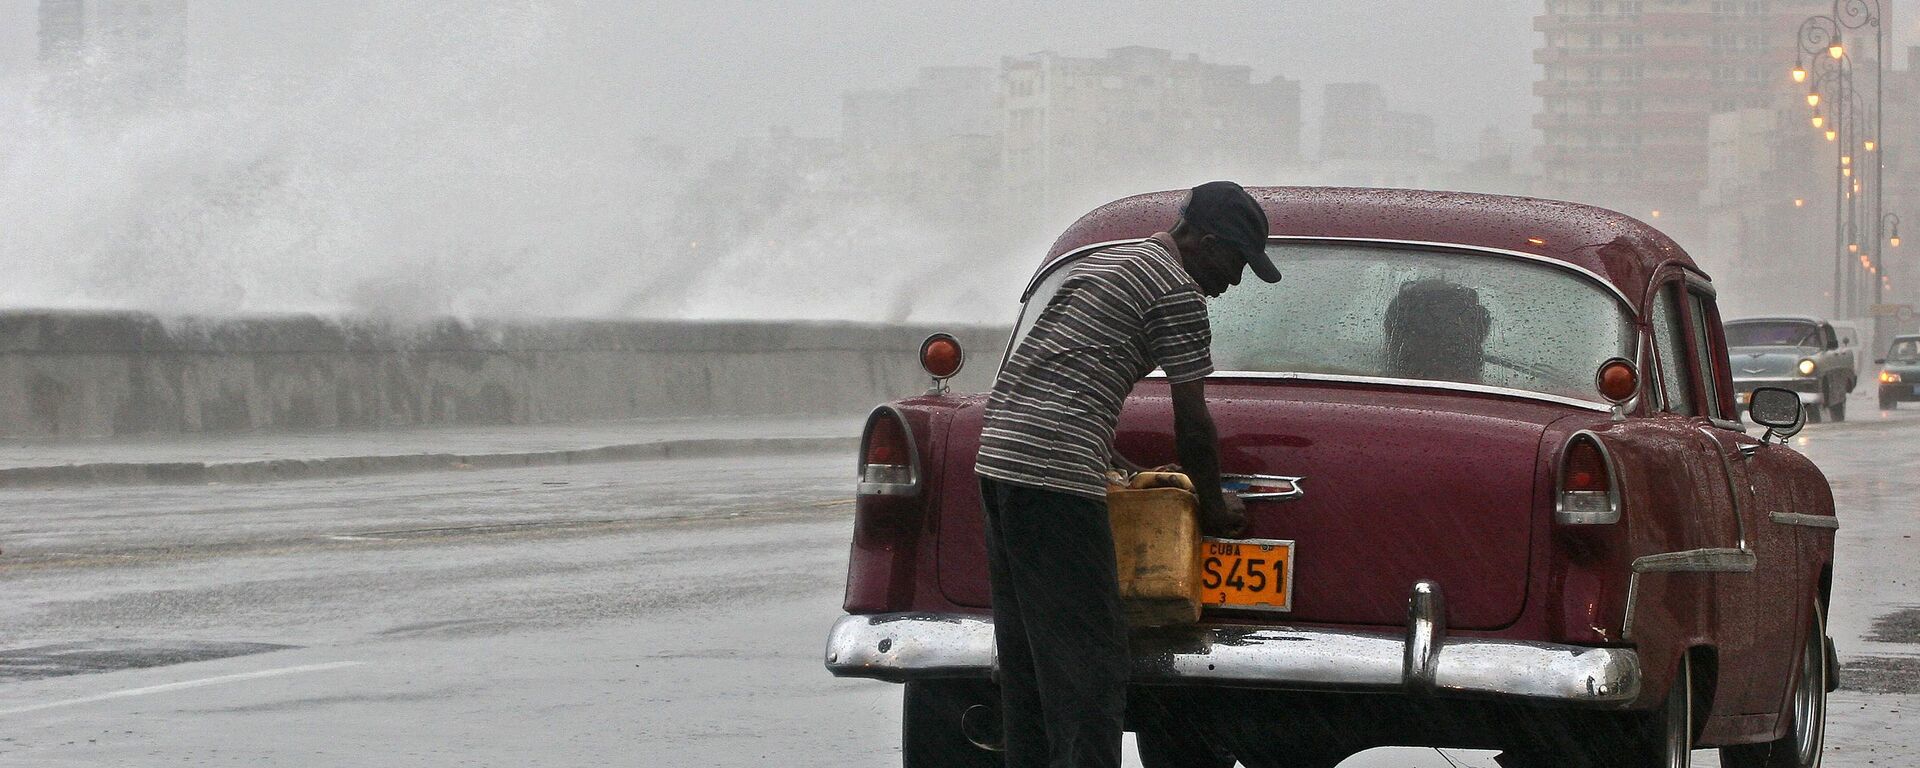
[1413,313]
[1408,313]
[1773,333]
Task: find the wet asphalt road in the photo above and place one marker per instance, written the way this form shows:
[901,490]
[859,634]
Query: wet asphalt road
[651,613]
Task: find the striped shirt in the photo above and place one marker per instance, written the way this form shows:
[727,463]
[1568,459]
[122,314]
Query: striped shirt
[1119,313]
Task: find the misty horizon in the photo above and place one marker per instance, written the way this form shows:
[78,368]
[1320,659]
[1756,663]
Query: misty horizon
[533,158]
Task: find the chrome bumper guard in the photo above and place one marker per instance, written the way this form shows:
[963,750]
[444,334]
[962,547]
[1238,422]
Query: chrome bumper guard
[899,647]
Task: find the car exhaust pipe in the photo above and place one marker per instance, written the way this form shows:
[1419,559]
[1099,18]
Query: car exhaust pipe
[981,725]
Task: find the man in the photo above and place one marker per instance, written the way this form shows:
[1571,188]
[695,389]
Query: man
[1047,442]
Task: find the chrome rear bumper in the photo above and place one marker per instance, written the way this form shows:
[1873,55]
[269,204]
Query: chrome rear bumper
[910,646]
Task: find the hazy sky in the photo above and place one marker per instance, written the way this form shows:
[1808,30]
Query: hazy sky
[704,71]
[710,70]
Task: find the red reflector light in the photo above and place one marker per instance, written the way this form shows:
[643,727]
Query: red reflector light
[1586,469]
[941,356]
[1617,380]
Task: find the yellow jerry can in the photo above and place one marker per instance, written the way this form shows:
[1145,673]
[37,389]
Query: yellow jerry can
[1156,535]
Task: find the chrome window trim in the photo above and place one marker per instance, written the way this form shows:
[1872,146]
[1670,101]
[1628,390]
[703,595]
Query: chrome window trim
[1590,275]
[1731,426]
[1484,389]
[1633,317]
[1048,268]
[1733,488]
[1828,522]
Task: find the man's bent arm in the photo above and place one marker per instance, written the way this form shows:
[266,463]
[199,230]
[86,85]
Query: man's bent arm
[1197,443]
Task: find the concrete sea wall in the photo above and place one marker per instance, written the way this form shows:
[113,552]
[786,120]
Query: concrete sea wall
[66,374]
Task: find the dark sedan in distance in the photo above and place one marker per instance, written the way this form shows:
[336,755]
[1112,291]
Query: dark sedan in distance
[1900,376]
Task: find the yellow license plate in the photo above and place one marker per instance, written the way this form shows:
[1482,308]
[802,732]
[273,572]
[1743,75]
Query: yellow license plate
[1246,574]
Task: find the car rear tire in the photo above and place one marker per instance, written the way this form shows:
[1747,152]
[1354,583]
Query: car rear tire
[1814,413]
[1839,412]
[1888,403]
[1660,739]
[930,732]
[1806,736]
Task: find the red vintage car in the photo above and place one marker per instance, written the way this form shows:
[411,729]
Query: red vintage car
[1494,441]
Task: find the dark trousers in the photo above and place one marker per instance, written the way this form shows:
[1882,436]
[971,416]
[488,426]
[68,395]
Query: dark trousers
[1061,637]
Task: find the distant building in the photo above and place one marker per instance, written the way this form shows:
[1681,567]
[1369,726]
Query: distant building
[941,102]
[1080,131]
[134,52]
[1768,202]
[63,31]
[1350,121]
[1628,86]
[151,31]
[1363,143]
[932,146]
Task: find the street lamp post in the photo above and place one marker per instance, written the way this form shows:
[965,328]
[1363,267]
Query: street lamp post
[1889,223]
[1862,14]
[1820,35]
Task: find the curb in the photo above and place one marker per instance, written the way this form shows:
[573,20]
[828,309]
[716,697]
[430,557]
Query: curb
[273,470]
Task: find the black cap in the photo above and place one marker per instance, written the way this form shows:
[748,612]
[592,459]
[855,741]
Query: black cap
[1225,210]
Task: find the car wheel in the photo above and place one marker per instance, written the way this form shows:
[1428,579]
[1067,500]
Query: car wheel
[931,735]
[1813,414]
[1660,739]
[1802,745]
[1888,403]
[1839,412]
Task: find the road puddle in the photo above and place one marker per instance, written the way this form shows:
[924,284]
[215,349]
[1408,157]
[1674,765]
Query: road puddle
[83,658]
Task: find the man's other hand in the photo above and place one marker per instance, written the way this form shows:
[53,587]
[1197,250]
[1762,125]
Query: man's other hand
[1229,522]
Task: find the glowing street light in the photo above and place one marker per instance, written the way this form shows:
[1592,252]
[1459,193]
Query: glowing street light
[1799,74]
[1819,121]
[1831,135]
[1799,202]
[1813,99]
[1836,50]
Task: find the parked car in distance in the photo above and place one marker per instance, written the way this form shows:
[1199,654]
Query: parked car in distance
[1803,354]
[1497,438]
[1900,372]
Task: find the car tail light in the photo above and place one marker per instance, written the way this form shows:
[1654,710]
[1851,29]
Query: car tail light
[888,514]
[1588,493]
[1587,587]
[889,465]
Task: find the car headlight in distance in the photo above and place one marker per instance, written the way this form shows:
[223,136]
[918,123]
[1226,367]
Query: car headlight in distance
[1889,377]
[1806,367]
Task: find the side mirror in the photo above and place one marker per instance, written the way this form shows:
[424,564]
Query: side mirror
[1779,410]
[1879,361]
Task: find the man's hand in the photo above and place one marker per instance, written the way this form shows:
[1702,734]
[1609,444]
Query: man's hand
[1229,521]
[1197,444]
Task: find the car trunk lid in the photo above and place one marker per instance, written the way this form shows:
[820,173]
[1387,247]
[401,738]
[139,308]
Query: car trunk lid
[1400,484]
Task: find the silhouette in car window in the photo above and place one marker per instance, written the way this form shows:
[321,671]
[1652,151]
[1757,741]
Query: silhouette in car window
[1436,330]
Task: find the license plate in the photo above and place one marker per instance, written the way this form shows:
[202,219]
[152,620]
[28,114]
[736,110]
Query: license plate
[1246,574]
